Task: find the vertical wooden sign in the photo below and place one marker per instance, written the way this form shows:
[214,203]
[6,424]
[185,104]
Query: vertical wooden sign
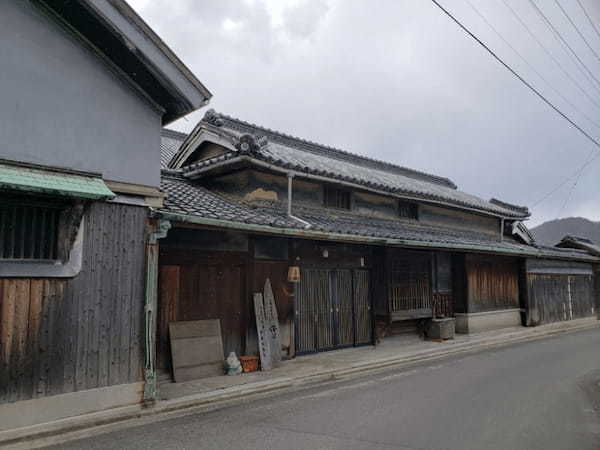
[272,322]
[261,328]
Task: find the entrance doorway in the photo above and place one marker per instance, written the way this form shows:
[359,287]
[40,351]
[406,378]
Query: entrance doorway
[333,309]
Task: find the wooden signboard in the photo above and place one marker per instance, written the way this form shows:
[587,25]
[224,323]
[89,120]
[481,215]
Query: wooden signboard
[272,321]
[196,349]
[261,327]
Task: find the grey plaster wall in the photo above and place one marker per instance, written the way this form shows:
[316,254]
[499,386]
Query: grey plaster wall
[62,106]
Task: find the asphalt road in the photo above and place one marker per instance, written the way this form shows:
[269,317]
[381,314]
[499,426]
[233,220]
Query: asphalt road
[537,395]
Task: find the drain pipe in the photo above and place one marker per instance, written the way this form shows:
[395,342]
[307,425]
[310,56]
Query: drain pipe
[502,229]
[160,232]
[289,203]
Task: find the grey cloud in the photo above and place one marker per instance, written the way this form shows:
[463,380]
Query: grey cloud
[397,80]
[303,19]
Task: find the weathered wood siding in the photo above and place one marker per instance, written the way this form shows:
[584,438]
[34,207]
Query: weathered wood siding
[61,336]
[492,283]
[197,285]
[555,298]
[558,291]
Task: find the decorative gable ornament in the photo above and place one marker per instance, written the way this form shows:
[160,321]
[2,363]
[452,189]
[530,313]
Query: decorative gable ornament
[248,143]
[213,118]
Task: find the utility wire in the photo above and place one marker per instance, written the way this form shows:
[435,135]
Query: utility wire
[589,18]
[536,92]
[589,160]
[537,72]
[521,79]
[578,30]
[563,41]
[550,55]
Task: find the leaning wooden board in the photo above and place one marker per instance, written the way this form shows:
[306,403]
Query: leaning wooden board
[264,346]
[272,322]
[196,349]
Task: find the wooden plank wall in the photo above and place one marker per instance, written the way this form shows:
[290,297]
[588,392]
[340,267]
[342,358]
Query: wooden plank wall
[492,283]
[60,335]
[556,297]
[198,285]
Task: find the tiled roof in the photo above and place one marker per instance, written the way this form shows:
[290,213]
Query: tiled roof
[183,197]
[188,199]
[291,153]
[579,243]
[170,141]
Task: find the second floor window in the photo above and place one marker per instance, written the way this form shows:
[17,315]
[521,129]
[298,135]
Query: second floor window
[408,210]
[336,197]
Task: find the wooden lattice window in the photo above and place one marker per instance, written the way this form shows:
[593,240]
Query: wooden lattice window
[337,198]
[29,229]
[408,210]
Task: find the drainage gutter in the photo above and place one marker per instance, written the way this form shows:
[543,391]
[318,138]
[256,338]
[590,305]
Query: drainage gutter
[160,232]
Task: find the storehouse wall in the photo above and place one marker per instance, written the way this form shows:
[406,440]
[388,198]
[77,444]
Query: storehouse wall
[249,184]
[62,336]
[558,291]
[492,283]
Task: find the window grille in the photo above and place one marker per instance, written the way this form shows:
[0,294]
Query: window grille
[29,230]
[408,210]
[336,198]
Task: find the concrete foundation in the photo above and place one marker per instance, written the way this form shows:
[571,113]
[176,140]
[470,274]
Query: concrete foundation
[489,320]
[47,409]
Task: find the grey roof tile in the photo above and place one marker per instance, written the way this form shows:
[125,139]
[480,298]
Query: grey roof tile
[187,198]
[170,141]
[300,155]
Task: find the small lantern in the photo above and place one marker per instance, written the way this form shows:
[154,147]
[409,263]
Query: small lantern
[294,274]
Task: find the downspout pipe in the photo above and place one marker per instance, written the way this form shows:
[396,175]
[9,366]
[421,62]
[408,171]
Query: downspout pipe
[150,307]
[289,203]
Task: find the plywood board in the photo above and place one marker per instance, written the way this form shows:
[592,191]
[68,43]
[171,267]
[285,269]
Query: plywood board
[196,349]
[264,346]
[272,322]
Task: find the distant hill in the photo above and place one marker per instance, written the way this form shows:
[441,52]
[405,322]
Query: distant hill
[550,233]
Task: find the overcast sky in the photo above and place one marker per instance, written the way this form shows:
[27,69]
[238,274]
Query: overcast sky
[397,80]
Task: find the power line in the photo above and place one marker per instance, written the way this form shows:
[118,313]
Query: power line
[521,79]
[577,29]
[534,90]
[589,18]
[563,41]
[589,160]
[542,77]
[556,61]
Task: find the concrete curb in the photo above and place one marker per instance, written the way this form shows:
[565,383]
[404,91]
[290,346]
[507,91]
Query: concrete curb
[105,421]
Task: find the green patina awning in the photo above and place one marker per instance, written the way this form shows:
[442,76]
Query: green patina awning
[42,181]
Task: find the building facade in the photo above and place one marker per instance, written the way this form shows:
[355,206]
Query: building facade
[86,87]
[379,248]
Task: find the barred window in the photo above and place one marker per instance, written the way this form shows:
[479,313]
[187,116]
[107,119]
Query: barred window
[29,229]
[408,210]
[336,198]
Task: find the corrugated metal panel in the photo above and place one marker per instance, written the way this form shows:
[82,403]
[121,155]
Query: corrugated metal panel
[29,179]
[66,335]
